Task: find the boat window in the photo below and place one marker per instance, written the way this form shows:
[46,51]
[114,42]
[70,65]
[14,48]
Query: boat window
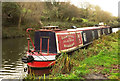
[93,34]
[98,33]
[44,45]
[84,35]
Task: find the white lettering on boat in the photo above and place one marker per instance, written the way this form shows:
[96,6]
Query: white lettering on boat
[70,45]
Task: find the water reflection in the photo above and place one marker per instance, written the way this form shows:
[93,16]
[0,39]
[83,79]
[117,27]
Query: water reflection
[12,51]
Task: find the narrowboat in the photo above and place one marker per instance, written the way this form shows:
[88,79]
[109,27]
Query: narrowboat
[50,42]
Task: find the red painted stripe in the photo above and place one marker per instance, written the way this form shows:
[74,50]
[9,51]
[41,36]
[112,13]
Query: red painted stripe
[41,64]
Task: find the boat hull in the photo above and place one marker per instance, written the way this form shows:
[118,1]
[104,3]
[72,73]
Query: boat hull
[39,71]
[40,67]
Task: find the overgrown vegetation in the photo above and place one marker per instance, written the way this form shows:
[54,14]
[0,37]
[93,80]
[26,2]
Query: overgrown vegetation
[101,57]
[21,15]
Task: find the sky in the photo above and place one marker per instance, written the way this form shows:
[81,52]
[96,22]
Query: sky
[106,5]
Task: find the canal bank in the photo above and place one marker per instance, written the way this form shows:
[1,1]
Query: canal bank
[14,32]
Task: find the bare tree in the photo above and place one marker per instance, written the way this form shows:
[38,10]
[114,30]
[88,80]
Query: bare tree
[30,10]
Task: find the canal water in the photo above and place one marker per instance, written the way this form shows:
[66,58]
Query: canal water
[12,51]
[115,29]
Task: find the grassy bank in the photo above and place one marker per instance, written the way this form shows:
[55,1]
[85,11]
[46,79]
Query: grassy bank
[13,32]
[67,25]
[100,58]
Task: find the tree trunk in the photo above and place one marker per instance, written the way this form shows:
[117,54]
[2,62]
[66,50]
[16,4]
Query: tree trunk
[40,23]
[19,22]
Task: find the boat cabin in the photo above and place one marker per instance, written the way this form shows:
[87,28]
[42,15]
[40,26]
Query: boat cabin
[45,41]
[51,40]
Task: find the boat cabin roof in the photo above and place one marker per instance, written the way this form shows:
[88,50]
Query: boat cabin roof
[50,27]
[55,28]
[87,28]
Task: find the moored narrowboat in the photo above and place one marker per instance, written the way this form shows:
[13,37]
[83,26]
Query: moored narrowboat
[51,41]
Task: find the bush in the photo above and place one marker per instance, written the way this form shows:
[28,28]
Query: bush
[11,12]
